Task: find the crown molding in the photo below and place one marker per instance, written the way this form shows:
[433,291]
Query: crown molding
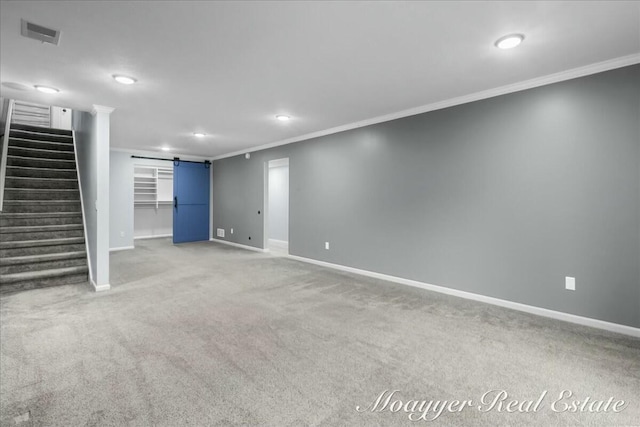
[573,73]
[95,109]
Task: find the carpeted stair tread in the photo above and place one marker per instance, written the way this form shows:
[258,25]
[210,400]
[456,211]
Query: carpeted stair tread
[41,258]
[68,139]
[39,168]
[39,162]
[26,285]
[44,242]
[40,129]
[28,190]
[39,219]
[39,172]
[38,214]
[25,182]
[41,153]
[49,202]
[37,178]
[32,228]
[43,194]
[26,142]
[43,274]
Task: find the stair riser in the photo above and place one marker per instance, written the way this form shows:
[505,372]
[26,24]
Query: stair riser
[22,222]
[18,127]
[40,163]
[43,154]
[40,235]
[41,250]
[54,184]
[44,145]
[27,194]
[46,265]
[41,173]
[17,207]
[24,285]
[41,137]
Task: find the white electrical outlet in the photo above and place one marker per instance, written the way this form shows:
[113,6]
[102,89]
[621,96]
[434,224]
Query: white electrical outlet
[326,245]
[220,232]
[232,231]
[122,234]
[570,283]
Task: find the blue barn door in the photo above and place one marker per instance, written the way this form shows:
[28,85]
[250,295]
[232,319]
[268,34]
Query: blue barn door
[190,201]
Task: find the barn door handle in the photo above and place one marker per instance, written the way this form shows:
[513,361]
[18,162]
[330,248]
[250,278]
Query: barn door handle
[175,202]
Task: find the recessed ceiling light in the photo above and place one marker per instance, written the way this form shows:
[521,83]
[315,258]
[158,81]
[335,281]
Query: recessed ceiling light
[125,80]
[46,89]
[198,134]
[166,149]
[283,118]
[510,41]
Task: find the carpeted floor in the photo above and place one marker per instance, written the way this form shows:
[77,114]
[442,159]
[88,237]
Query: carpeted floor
[205,334]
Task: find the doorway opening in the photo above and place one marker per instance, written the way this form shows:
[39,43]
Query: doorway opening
[276,219]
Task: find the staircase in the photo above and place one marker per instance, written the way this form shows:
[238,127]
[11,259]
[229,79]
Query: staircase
[41,231]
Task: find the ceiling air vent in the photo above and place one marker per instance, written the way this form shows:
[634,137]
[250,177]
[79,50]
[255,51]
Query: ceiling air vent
[38,32]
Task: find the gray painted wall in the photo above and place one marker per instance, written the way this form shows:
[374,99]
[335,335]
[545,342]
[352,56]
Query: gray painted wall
[86,151]
[121,200]
[279,203]
[502,197]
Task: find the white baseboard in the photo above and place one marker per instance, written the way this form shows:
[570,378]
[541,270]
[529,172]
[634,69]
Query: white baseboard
[121,248]
[239,245]
[99,288]
[558,315]
[158,236]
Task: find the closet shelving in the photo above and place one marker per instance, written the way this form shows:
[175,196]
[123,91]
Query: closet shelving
[152,186]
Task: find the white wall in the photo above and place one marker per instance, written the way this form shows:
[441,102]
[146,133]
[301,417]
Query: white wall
[86,146]
[92,149]
[279,203]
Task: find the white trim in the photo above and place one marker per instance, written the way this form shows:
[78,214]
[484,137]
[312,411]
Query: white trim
[121,248]
[598,67]
[278,163]
[239,245]
[157,236]
[5,149]
[95,109]
[99,288]
[84,219]
[558,315]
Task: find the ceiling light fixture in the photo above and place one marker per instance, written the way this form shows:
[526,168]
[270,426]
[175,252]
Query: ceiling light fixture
[283,118]
[198,134]
[125,80]
[166,149]
[510,41]
[46,89]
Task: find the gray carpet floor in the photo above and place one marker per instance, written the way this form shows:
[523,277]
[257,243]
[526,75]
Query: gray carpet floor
[206,334]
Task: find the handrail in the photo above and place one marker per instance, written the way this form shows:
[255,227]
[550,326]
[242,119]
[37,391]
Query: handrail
[5,148]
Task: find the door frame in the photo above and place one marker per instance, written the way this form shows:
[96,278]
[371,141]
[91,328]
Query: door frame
[283,161]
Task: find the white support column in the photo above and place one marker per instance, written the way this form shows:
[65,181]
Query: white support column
[102,119]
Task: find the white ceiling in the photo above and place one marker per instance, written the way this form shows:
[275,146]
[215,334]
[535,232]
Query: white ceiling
[227,68]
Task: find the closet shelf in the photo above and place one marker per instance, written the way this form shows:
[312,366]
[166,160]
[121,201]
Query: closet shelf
[152,186]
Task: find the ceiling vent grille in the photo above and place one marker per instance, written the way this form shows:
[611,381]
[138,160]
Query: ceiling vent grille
[38,32]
